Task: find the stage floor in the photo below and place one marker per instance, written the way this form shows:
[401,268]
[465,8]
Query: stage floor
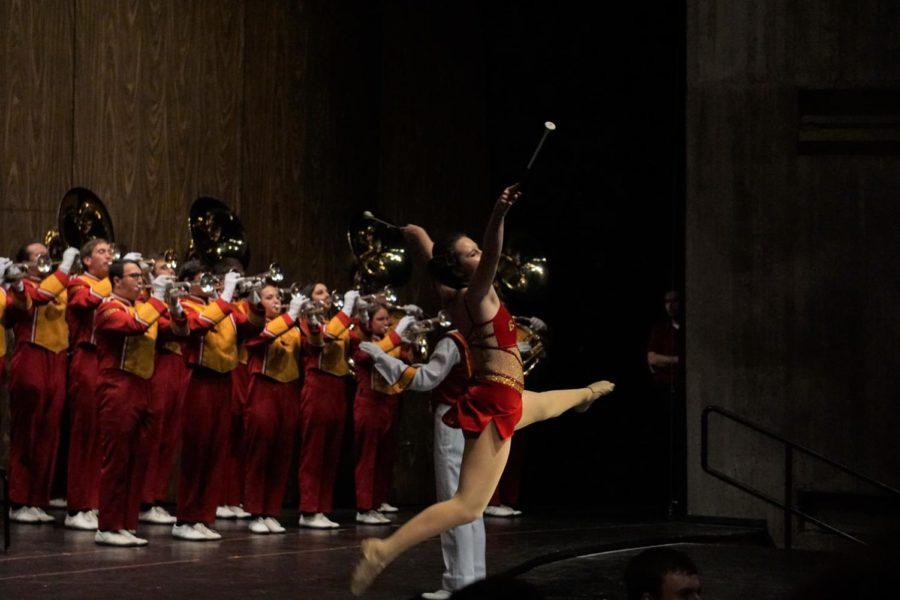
[50,562]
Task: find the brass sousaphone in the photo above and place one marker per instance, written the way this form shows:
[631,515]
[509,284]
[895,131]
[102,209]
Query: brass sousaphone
[216,232]
[81,218]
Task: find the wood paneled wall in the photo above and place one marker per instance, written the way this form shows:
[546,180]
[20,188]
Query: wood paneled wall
[298,114]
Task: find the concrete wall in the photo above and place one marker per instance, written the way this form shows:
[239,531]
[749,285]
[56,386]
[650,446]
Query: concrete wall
[791,260]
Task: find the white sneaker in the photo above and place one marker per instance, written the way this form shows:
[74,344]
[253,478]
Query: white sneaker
[156,515]
[372,517]
[274,526]
[317,521]
[211,534]
[23,514]
[94,516]
[58,503]
[191,533]
[42,516]
[501,511]
[437,595]
[113,538]
[223,512]
[239,512]
[135,540]
[258,525]
[387,508]
[84,521]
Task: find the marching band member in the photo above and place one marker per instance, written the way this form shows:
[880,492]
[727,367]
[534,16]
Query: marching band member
[375,409]
[230,505]
[126,332]
[37,381]
[85,294]
[270,425]
[323,406]
[212,353]
[494,404]
[446,375]
[5,263]
[166,389]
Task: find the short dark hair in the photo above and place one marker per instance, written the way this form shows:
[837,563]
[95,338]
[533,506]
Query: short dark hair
[117,269]
[22,252]
[310,287]
[646,571]
[444,262]
[88,248]
[189,270]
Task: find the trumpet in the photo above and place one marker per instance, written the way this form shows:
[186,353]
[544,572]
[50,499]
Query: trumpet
[418,332]
[43,263]
[177,289]
[169,259]
[274,274]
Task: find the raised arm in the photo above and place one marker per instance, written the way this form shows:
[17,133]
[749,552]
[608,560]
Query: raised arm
[491,247]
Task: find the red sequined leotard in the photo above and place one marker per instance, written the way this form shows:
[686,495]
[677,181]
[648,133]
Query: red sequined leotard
[495,392]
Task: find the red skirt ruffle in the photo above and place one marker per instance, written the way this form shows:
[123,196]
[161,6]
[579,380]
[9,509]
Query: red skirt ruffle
[484,402]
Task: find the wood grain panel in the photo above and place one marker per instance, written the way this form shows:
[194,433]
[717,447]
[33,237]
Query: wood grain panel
[36,116]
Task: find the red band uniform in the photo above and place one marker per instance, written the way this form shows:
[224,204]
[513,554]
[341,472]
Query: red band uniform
[233,485]
[126,348]
[211,353]
[375,410]
[37,386]
[85,294]
[271,414]
[323,411]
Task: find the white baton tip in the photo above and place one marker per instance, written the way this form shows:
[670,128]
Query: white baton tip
[550,125]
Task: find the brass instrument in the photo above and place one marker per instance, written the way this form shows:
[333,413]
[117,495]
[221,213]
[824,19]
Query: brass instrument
[82,217]
[382,257]
[216,232]
[531,344]
[523,276]
[419,334]
[43,263]
[273,275]
[169,258]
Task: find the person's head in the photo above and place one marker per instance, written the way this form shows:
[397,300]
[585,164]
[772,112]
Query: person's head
[161,266]
[379,320]
[96,256]
[270,298]
[454,259]
[318,292]
[126,278]
[28,253]
[228,264]
[672,303]
[192,271]
[662,574]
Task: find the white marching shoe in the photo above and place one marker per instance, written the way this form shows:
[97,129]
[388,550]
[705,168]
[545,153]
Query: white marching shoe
[239,512]
[191,533]
[58,503]
[23,514]
[437,595]
[274,526]
[387,508]
[135,540]
[157,515]
[84,521]
[114,538]
[211,534]
[502,511]
[317,521]
[224,512]
[372,517]
[42,516]
[258,525]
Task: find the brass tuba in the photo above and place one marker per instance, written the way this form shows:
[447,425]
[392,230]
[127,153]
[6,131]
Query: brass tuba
[81,217]
[216,232]
[380,251]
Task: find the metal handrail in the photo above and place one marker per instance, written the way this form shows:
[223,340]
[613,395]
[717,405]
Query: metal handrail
[789,448]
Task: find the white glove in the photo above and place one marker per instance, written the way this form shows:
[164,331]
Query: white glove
[231,280]
[524,347]
[412,309]
[362,309]
[537,324]
[350,299]
[297,303]
[315,322]
[159,286]
[68,259]
[403,324]
[373,350]
[254,296]
[5,264]
[135,256]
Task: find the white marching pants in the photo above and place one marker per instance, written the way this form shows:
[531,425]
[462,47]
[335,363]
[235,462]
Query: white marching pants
[463,546]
